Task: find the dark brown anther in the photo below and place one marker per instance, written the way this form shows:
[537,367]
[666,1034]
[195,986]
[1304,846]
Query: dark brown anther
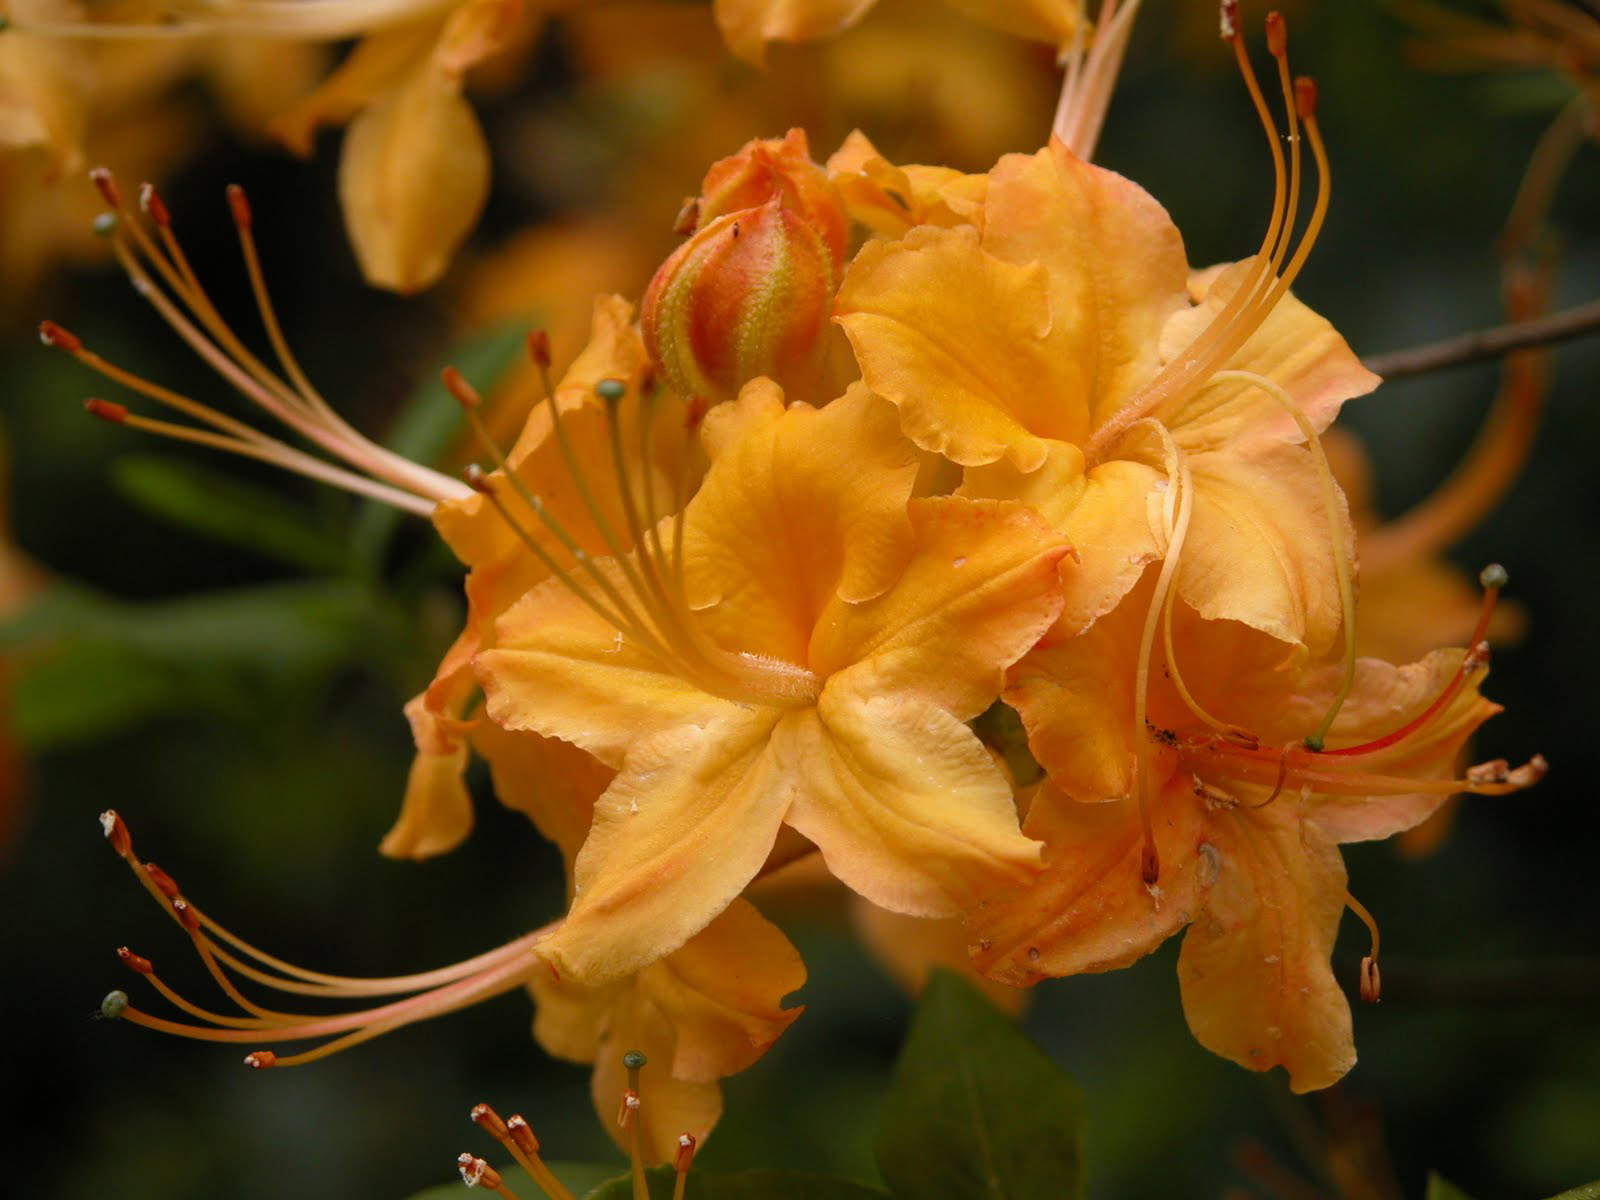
[539,348]
[688,218]
[486,1119]
[239,206]
[116,831]
[1371,984]
[187,917]
[55,336]
[477,479]
[260,1060]
[154,206]
[134,963]
[167,886]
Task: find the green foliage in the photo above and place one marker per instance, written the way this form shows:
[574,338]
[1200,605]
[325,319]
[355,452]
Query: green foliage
[976,1112]
[745,1185]
[215,503]
[1440,1188]
[1587,1191]
[583,1179]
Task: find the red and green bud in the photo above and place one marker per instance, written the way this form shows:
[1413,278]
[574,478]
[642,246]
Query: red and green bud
[750,292]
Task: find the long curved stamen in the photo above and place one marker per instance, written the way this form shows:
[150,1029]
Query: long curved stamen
[628,1118]
[1371,988]
[1177,475]
[438,992]
[1264,285]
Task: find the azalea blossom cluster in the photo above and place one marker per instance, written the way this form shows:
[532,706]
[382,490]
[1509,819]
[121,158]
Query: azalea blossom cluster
[887,450]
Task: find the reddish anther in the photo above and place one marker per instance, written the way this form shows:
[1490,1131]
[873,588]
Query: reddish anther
[107,183]
[685,1153]
[477,479]
[106,410]
[1305,97]
[164,882]
[154,206]
[239,206]
[1277,35]
[116,831]
[1228,19]
[134,962]
[539,347]
[489,1121]
[464,393]
[54,335]
[260,1060]
[521,1136]
[1150,865]
[187,917]
[1371,983]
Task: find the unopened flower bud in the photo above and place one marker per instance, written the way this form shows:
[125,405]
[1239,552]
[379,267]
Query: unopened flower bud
[749,293]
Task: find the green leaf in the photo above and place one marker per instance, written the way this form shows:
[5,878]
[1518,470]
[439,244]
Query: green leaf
[746,1185]
[1586,1191]
[223,507]
[429,421]
[581,1179]
[1440,1188]
[976,1111]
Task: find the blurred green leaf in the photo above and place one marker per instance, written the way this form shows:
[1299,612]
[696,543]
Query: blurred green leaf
[430,419]
[975,1109]
[1440,1188]
[581,1179]
[746,1185]
[89,665]
[225,508]
[1587,1191]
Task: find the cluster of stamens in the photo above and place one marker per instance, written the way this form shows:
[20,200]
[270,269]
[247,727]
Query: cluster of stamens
[227,956]
[517,1139]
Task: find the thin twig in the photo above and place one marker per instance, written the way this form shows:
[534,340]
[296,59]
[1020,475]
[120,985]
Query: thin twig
[1488,343]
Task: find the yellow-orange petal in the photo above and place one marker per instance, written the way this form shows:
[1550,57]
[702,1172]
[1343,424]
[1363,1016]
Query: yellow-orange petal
[1259,548]
[1116,270]
[687,822]
[1051,21]
[376,66]
[890,199]
[436,811]
[413,176]
[1090,910]
[552,783]
[1254,972]
[978,591]
[749,25]
[904,802]
[1294,347]
[959,340]
[559,670]
[800,507]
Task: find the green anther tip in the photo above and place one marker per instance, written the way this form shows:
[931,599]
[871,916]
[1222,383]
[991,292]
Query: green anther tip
[1314,744]
[104,225]
[633,1060]
[1494,576]
[611,390]
[111,1007]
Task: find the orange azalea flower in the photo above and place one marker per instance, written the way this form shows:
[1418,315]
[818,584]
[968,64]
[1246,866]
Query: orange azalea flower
[1058,347]
[1246,817]
[806,652]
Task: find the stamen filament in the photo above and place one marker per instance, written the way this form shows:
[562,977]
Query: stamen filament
[523,1147]
[628,1116]
[1369,964]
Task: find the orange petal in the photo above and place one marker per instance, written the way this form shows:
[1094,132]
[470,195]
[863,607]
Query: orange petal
[748,25]
[1090,909]
[1116,271]
[687,823]
[376,66]
[904,802]
[436,813]
[559,670]
[1254,970]
[1052,21]
[552,783]
[959,340]
[1293,347]
[801,506]
[1259,549]
[413,176]
[890,199]
[977,592]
